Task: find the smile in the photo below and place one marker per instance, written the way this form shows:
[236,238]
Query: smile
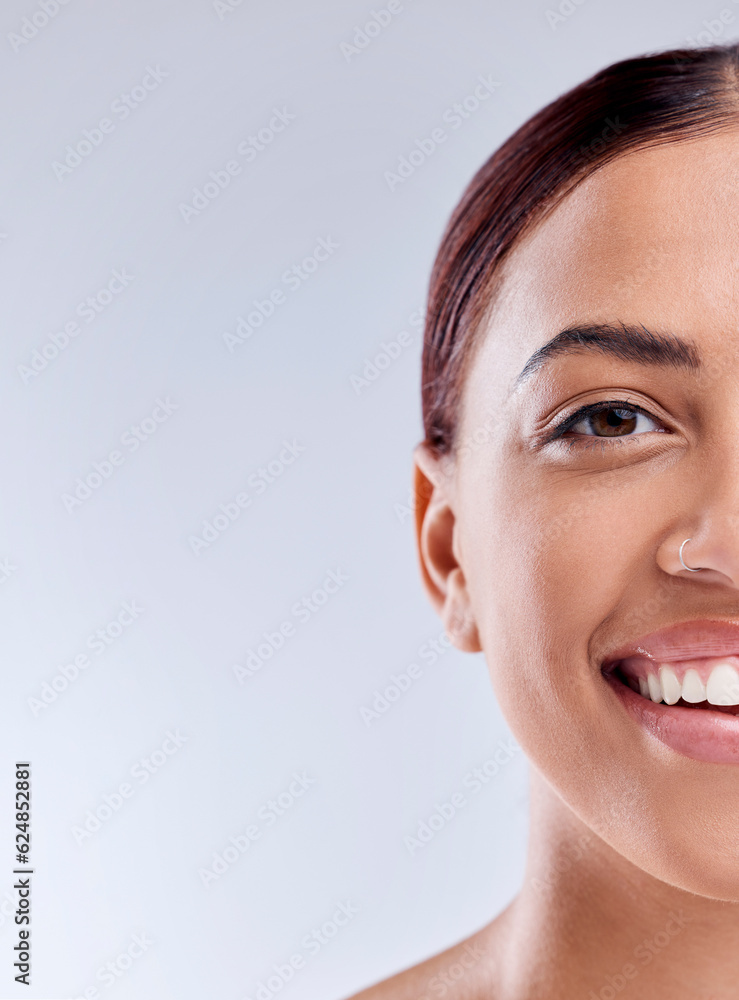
[702,682]
[681,685]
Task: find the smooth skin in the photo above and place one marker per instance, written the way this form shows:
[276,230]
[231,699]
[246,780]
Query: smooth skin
[549,554]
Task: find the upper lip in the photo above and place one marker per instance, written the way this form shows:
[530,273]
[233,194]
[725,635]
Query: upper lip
[682,641]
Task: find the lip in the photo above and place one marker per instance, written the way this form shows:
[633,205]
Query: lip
[699,733]
[682,641]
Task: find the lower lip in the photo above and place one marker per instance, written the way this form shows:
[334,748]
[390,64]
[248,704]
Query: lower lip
[694,732]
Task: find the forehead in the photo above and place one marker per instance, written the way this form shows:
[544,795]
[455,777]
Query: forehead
[651,238]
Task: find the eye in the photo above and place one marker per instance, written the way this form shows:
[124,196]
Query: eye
[609,419]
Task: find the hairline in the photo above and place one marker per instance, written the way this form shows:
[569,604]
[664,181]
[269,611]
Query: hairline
[492,288]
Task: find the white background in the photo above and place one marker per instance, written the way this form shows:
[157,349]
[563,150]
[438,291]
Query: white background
[341,505]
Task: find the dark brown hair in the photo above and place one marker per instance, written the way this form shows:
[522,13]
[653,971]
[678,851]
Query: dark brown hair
[667,97]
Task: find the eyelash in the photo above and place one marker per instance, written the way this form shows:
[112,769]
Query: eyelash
[585,411]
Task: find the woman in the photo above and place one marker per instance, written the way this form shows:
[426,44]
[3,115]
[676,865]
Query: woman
[584,308]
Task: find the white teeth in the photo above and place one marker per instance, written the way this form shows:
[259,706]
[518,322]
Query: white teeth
[694,690]
[723,685]
[671,686]
[655,688]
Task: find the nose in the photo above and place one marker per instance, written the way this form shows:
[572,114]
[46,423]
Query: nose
[710,551]
[706,528]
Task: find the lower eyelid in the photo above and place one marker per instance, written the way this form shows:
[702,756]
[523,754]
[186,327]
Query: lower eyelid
[635,433]
[568,425]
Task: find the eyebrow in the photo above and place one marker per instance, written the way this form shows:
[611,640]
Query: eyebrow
[629,342]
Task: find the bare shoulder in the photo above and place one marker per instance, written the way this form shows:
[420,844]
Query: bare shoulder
[466,971]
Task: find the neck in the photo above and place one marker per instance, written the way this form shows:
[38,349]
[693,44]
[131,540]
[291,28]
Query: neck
[588,923]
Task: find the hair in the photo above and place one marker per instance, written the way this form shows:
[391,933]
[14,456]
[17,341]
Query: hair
[665,97]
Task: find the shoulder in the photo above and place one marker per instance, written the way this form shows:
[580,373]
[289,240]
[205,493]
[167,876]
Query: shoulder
[468,968]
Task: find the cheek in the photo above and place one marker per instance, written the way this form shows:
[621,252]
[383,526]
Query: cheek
[554,556]
[546,566]
[546,569]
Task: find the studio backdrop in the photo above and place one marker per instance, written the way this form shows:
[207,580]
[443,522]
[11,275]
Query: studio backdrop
[255,765]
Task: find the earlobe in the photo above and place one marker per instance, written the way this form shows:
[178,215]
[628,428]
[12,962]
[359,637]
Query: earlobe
[457,617]
[442,574]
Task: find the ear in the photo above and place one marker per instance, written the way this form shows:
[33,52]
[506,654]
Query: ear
[438,551]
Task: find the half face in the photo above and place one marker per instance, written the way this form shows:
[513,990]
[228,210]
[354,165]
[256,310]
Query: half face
[599,431]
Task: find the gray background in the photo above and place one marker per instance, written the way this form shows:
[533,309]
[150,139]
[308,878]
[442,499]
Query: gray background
[342,504]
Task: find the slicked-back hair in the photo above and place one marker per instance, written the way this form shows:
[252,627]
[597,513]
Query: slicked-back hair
[666,97]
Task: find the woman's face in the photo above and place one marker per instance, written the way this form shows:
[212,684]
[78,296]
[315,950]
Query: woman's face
[566,536]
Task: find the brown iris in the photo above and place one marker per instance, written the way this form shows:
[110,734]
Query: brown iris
[613,422]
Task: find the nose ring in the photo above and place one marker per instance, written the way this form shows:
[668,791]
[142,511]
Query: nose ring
[688,568]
